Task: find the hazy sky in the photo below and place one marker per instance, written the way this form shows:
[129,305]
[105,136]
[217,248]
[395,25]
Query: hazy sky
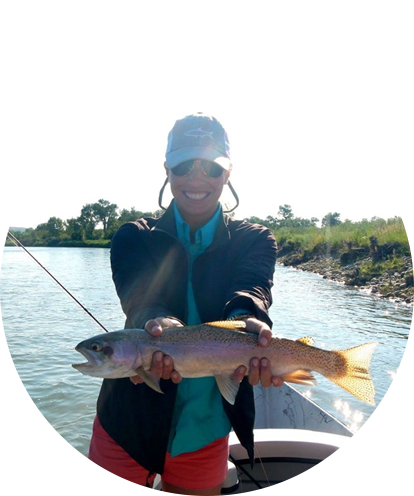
[317,100]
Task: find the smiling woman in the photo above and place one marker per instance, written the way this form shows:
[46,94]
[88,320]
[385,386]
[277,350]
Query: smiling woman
[198,166]
[194,264]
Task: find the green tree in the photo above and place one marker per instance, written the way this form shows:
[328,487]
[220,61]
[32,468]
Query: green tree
[256,220]
[28,237]
[74,229]
[299,222]
[105,212]
[331,219]
[133,214]
[285,211]
[286,216]
[129,215]
[41,232]
[55,227]
[87,221]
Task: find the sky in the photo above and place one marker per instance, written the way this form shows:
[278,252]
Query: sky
[316,99]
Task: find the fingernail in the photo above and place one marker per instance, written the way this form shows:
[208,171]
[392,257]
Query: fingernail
[158,356]
[265,362]
[167,361]
[255,362]
[155,328]
[263,341]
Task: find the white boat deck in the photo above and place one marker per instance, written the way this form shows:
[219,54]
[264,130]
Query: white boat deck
[292,434]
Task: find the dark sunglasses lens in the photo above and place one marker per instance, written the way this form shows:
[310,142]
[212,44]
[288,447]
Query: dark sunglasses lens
[212,169]
[183,169]
[209,168]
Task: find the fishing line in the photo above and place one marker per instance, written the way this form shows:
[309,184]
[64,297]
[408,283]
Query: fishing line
[245,472]
[262,465]
[18,244]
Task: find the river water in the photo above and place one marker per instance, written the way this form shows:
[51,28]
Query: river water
[43,324]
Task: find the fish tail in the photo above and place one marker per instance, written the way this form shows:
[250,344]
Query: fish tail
[350,371]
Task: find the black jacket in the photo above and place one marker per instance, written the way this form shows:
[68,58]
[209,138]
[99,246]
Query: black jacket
[150,271]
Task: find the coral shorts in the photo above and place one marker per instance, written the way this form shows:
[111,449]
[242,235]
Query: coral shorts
[201,469]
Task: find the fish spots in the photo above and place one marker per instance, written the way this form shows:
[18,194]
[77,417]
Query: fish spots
[108,351]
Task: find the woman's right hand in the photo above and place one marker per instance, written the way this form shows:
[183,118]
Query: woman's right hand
[161,365]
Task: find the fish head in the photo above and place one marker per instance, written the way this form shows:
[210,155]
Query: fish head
[109,356]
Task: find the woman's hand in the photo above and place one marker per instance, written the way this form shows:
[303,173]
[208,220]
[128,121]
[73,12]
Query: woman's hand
[161,365]
[259,370]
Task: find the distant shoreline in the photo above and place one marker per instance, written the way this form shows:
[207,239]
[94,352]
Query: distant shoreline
[390,281]
[66,244]
[394,283]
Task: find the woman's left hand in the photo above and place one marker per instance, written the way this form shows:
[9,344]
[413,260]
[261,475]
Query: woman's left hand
[259,370]
[161,365]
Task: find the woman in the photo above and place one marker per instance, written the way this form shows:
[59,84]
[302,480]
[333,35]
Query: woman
[192,265]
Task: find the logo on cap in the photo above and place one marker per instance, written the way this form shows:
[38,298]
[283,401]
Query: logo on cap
[200,133]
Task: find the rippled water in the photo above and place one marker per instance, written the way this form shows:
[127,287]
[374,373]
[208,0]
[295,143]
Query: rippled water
[338,317]
[43,324]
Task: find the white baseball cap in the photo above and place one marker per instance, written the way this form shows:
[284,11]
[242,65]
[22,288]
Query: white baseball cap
[198,136]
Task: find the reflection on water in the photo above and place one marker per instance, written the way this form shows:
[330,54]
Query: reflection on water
[339,317]
[43,324]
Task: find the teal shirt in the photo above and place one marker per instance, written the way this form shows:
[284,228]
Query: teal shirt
[199,417]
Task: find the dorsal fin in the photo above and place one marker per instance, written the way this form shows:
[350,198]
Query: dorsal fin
[228,324]
[307,340]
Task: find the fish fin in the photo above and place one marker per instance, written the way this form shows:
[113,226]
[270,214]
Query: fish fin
[228,324]
[300,377]
[150,379]
[307,340]
[228,387]
[353,376]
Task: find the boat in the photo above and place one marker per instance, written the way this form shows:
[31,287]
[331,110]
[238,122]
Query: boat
[292,434]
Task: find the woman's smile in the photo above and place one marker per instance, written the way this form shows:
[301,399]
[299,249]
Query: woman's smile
[196,195]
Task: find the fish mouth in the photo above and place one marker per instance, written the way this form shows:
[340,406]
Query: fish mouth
[81,366]
[91,363]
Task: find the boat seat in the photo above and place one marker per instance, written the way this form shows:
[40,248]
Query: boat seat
[356,465]
[231,482]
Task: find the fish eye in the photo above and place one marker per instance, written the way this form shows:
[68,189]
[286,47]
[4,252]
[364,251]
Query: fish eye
[96,347]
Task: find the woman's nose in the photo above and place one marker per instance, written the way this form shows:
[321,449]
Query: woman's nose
[197,171]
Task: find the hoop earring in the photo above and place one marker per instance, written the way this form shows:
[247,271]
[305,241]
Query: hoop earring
[161,193]
[235,196]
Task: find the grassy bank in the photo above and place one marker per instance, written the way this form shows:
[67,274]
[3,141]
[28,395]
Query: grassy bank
[344,237]
[371,254]
[56,243]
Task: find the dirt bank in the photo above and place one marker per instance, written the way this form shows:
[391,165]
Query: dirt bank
[394,283]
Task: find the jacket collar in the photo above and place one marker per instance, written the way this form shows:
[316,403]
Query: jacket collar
[167,224]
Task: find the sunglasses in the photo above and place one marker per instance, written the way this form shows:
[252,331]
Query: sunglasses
[210,169]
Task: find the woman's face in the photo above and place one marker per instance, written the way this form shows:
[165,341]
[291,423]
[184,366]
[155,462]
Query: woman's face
[197,194]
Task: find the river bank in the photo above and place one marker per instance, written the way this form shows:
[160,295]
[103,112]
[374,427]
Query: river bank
[99,243]
[391,279]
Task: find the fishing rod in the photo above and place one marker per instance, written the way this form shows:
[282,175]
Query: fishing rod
[20,245]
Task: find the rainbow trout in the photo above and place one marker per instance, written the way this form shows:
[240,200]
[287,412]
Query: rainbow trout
[217,349]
